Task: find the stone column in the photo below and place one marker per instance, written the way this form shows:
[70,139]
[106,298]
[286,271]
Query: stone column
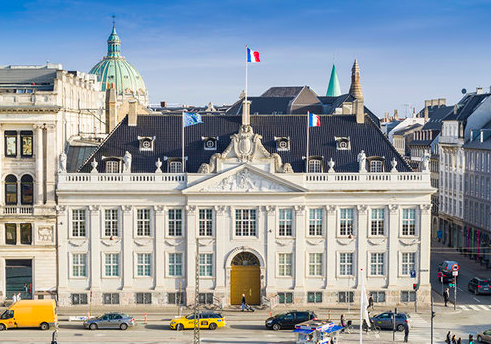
[221,233]
[393,233]
[2,194]
[299,255]
[190,230]
[159,256]
[39,197]
[330,244]
[361,236]
[3,290]
[270,248]
[51,166]
[127,236]
[95,247]
[425,240]
[63,258]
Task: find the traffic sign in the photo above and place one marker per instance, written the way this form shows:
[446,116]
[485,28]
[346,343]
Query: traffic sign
[455,273]
[439,274]
[455,267]
[413,273]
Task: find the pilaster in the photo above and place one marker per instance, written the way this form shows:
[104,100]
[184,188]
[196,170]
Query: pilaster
[95,247]
[270,245]
[159,256]
[39,199]
[330,242]
[361,236]
[63,258]
[425,239]
[51,156]
[299,258]
[190,263]
[221,232]
[127,236]
[393,233]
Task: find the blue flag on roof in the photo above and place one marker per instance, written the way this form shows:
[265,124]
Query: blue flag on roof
[191,118]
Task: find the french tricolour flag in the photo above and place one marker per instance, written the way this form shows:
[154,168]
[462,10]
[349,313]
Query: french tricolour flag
[252,56]
[314,120]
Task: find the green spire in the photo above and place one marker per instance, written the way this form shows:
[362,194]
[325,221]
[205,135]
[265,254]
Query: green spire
[113,44]
[333,90]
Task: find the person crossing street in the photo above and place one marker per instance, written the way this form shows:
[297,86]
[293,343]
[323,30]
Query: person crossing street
[446,296]
[406,332]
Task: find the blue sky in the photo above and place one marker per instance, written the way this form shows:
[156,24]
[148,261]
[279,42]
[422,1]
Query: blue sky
[192,52]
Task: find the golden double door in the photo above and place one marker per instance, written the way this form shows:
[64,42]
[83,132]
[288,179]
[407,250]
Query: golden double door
[245,280]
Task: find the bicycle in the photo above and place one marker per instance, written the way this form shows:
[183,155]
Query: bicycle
[373,328]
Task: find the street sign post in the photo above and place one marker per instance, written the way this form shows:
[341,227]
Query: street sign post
[455,291]
[455,273]
[413,273]
[455,267]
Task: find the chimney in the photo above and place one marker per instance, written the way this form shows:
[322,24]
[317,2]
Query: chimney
[132,115]
[163,104]
[481,136]
[427,103]
[360,111]
[111,116]
[387,116]
[442,102]
[396,115]
[246,115]
[455,108]
[478,90]
[427,115]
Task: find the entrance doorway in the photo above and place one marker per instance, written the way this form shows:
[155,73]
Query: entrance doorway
[18,273]
[245,278]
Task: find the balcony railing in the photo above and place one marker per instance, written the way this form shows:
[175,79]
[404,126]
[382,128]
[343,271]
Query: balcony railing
[122,177]
[18,210]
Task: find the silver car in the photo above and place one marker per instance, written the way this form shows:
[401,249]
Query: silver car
[484,336]
[110,320]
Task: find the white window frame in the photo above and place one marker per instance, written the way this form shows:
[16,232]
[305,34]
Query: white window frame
[175,223]
[346,264]
[112,166]
[111,221]
[143,223]
[77,265]
[143,264]
[376,166]
[285,267]
[316,221]
[175,166]
[377,222]
[347,221]
[317,266]
[251,223]
[285,223]
[112,263]
[407,221]
[410,265]
[315,165]
[206,223]
[76,223]
[205,267]
[172,262]
[377,266]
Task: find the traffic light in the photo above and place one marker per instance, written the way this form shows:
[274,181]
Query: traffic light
[451,285]
[415,286]
[471,339]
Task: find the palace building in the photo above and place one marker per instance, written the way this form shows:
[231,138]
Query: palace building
[264,220]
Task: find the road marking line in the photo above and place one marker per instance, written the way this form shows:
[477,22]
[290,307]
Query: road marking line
[460,289]
[477,300]
[464,308]
[474,307]
[484,307]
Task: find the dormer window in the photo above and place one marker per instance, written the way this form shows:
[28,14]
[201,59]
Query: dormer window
[210,142]
[174,165]
[343,143]
[146,143]
[282,143]
[315,165]
[376,163]
[112,166]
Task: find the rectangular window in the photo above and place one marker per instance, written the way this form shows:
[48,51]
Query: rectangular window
[79,265]
[408,263]
[143,298]
[26,233]
[206,264]
[112,166]
[175,167]
[175,264]
[111,222]
[206,222]
[10,234]
[378,296]
[144,265]
[285,298]
[110,298]
[346,220]
[346,297]
[378,218]
[314,297]
[79,299]
[10,143]
[175,298]
[376,166]
[285,264]
[409,222]
[346,264]
[205,298]
[175,222]
[408,296]
[26,144]
[285,226]
[245,222]
[112,264]
[143,222]
[315,264]
[78,222]
[377,264]
[315,222]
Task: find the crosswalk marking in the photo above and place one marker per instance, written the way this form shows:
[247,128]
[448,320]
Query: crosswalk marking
[464,308]
[474,307]
[484,307]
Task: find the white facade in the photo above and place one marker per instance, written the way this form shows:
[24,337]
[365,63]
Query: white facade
[310,233]
[35,123]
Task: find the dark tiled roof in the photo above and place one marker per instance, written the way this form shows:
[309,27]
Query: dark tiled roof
[167,130]
[77,155]
[436,115]
[467,105]
[283,91]
[420,142]
[407,129]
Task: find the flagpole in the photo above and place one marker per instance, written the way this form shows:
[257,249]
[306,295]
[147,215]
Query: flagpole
[246,78]
[182,137]
[307,156]
[361,306]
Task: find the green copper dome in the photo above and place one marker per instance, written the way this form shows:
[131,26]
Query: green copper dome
[114,69]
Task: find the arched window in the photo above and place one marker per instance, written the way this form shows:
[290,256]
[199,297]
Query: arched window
[27,189]
[315,166]
[11,190]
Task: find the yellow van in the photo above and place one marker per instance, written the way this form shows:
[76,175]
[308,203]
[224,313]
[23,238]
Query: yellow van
[30,313]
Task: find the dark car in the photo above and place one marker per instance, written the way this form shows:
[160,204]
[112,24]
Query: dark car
[385,321]
[110,320]
[288,320]
[479,286]
[446,268]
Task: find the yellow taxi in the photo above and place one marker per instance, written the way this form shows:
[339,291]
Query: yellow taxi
[210,320]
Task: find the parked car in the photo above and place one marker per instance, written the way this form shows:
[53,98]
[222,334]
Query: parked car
[484,336]
[209,320]
[110,320]
[289,319]
[479,286]
[446,268]
[385,320]
[30,313]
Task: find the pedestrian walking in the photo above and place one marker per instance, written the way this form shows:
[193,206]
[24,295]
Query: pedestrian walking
[459,341]
[447,340]
[244,303]
[446,296]
[343,321]
[18,297]
[406,332]
[14,298]
[370,302]
[54,337]
[454,340]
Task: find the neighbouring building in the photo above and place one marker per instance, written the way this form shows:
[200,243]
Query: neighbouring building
[41,108]
[264,220]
